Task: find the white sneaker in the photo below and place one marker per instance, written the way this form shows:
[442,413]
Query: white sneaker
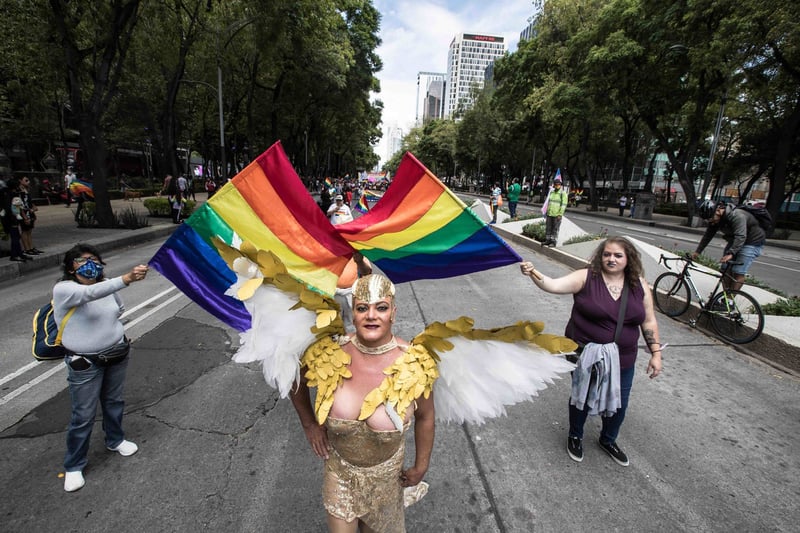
[73,481]
[125,448]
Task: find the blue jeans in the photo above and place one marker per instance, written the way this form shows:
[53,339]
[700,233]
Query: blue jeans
[86,387]
[512,209]
[611,424]
[746,256]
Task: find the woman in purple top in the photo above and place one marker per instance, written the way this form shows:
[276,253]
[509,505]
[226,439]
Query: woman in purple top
[597,290]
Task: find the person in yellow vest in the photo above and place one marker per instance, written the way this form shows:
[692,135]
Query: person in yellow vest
[556,206]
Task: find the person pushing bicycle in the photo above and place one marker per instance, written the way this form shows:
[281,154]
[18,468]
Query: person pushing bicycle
[744,236]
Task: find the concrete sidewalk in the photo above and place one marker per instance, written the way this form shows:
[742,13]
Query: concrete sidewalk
[56,231]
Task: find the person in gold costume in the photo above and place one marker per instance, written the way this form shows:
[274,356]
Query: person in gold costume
[359,421]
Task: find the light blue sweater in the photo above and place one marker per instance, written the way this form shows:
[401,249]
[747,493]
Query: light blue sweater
[602,395]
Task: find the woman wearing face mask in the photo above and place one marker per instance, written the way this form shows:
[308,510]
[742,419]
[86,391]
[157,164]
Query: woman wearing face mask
[92,334]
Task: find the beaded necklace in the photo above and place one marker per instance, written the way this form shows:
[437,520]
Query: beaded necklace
[374,350]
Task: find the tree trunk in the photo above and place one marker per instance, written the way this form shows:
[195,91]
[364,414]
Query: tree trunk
[94,147]
[783,151]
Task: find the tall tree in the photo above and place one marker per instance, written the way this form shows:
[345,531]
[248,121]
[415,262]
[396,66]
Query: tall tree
[95,37]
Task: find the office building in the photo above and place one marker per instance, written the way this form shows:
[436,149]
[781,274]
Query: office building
[530,29]
[394,140]
[431,85]
[467,60]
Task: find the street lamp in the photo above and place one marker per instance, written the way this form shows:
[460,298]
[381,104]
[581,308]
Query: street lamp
[217,90]
[232,29]
[715,140]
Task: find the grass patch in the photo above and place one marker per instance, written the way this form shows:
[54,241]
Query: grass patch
[588,237]
[130,218]
[528,216]
[161,207]
[534,231]
[783,307]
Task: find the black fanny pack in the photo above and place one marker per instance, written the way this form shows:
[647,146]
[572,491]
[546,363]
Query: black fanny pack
[110,356]
[575,356]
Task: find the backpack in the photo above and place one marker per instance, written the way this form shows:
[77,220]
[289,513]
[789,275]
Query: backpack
[762,216]
[46,344]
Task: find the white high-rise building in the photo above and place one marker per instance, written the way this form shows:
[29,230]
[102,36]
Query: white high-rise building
[394,140]
[467,60]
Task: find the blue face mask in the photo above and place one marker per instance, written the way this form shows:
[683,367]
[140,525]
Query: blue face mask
[90,270]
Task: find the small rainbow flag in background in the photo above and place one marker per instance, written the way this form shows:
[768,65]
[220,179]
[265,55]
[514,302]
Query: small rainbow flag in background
[328,182]
[78,187]
[362,204]
[418,230]
[372,196]
[366,197]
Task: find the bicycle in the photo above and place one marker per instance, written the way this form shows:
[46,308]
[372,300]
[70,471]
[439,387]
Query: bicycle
[735,315]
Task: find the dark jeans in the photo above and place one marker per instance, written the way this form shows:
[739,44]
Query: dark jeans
[552,225]
[79,210]
[611,424]
[86,388]
[512,209]
[16,245]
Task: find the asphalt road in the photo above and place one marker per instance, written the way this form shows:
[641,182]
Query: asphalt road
[712,442]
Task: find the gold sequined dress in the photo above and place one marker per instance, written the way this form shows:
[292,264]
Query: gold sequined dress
[362,475]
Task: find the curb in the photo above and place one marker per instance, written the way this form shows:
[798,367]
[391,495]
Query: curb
[105,243]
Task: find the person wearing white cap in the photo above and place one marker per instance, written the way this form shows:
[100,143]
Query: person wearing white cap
[339,212]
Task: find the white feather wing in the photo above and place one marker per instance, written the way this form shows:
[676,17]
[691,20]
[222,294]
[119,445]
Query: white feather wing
[479,378]
[277,337]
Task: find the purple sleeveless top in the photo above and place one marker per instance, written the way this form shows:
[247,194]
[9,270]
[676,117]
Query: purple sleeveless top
[594,318]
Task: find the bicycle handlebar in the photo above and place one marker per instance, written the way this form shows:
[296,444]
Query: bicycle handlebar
[685,257]
[688,258]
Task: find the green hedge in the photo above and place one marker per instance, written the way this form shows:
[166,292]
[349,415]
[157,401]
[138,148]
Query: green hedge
[160,207]
[680,210]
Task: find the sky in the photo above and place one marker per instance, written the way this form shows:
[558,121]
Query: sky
[416,36]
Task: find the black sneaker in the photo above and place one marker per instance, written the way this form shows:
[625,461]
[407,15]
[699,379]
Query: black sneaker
[575,448]
[613,450]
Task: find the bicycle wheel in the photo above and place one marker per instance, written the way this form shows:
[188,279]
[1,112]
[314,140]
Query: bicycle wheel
[736,316]
[671,294]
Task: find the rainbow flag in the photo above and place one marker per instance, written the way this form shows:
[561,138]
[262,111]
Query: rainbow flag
[372,196]
[328,182]
[267,205]
[78,187]
[419,230]
[366,197]
[362,204]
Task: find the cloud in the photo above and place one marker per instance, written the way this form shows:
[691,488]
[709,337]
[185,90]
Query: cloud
[416,37]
